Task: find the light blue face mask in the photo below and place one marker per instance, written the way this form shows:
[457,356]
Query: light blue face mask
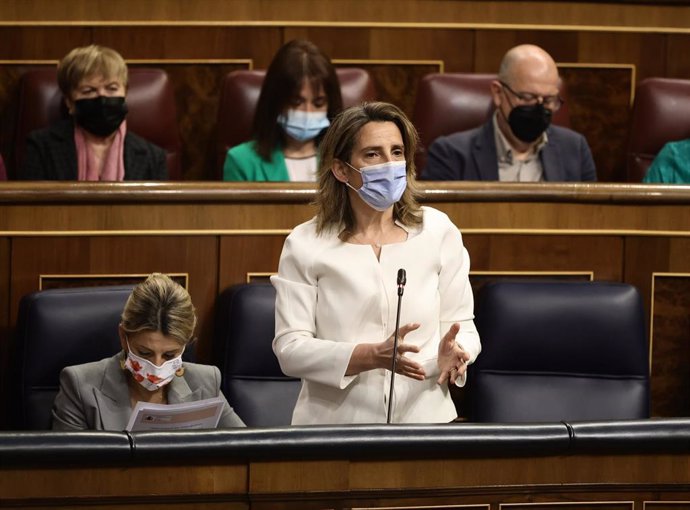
[383,184]
[303,126]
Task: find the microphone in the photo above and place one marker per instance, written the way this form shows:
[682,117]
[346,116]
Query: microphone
[402,280]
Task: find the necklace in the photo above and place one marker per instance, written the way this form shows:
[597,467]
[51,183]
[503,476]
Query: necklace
[360,239]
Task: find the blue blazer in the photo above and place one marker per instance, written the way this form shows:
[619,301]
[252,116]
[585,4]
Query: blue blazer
[471,156]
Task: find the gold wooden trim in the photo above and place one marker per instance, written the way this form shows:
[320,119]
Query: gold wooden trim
[595,65]
[147,61]
[657,503]
[534,273]
[576,232]
[351,24]
[651,308]
[569,504]
[182,61]
[423,507]
[140,233]
[372,61]
[73,276]
[259,275]
[286,231]
[29,62]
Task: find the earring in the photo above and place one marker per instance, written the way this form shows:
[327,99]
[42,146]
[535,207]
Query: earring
[179,372]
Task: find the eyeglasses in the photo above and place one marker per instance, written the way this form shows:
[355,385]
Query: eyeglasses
[553,103]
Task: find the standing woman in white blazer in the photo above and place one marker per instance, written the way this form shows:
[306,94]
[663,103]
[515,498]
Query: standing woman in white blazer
[336,284]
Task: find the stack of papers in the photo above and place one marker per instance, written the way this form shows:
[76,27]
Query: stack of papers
[202,414]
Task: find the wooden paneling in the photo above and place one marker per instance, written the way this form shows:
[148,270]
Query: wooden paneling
[397,81]
[5,277]
[197,256]
[210,42]
[646,51]
[106,483]
[670,348]
[677,66]
[244,254]
[196,87]
[40,42]
[5,321]
[599,100]
[601,255]
[503,482]
[614,13]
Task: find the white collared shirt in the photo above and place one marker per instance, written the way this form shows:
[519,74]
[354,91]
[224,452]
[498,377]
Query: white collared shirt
[511,169]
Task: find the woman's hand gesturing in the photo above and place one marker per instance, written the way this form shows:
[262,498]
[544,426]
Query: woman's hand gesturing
[452,360]
[404,365]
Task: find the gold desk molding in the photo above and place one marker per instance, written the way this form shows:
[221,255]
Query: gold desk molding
[288,192]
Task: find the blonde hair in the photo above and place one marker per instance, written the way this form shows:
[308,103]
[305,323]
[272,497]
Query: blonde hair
[332,199]
[86,61]
[160,304]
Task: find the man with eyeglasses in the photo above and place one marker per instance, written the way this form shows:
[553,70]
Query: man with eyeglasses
[518,143]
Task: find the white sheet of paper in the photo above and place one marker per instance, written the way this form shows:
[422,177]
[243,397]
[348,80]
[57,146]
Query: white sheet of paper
[201,414]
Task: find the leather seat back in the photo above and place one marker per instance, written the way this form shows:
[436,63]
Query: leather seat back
[555,351]
[58,328]
[150,98]
[252,380]
[660,115]
[239,95]
[451,102]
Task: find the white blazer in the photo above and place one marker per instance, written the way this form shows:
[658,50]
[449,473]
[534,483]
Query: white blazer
[332,295]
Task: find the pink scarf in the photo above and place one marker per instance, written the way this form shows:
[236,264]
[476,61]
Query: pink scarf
[88,168]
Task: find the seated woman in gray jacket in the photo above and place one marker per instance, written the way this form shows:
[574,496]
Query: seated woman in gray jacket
[157,325]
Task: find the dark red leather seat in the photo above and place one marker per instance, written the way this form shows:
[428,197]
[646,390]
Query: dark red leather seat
[452,102]
[240,91]
[152,111]
[660,115]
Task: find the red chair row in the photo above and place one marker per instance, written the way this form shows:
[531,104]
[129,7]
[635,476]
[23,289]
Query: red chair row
[445,103]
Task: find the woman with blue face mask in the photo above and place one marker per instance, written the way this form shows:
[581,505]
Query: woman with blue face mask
[299,96]
[157,326]
[337,285]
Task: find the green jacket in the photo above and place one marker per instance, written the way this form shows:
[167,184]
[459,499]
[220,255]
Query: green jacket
[244,164]
[671,165]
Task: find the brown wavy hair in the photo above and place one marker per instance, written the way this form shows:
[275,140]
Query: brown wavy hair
[292,63]
[332,199]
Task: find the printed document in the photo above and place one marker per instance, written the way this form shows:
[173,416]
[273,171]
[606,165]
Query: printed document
[201,414]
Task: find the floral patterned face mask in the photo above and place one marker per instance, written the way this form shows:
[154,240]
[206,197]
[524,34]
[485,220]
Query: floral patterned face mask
[150,376]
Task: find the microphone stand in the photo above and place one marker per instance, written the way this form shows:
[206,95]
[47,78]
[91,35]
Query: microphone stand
[402,279]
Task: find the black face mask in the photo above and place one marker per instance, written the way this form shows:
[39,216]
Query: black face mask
[528,122]
[101,115]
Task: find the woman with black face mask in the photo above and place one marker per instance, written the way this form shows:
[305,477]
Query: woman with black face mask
[94,143]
